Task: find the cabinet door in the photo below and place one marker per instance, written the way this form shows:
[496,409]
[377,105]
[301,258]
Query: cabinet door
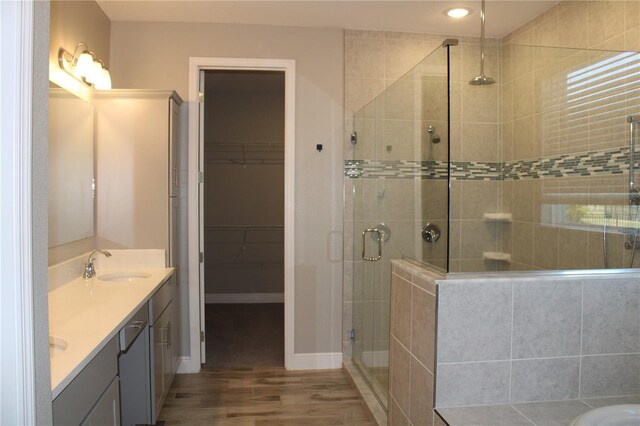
[175,329]
[107,409]
[167,356]
[158,365]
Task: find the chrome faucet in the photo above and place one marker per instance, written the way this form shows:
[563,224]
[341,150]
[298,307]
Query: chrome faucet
[89,270]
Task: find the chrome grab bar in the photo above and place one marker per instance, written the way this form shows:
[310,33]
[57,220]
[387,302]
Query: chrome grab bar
[379,239]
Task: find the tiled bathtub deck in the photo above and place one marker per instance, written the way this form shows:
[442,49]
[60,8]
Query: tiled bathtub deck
[551,413]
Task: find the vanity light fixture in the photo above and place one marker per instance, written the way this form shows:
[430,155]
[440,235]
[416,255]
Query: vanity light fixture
[85,66]
[457,13]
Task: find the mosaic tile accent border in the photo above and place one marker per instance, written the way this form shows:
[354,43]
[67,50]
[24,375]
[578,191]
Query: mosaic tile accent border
[601,162]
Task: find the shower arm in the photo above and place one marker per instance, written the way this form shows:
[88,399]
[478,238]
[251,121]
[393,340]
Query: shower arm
[482,39]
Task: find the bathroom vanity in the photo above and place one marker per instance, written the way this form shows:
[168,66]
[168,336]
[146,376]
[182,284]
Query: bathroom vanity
[111,340]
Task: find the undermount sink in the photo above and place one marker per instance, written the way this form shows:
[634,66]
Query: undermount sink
[57,345]
[124,276]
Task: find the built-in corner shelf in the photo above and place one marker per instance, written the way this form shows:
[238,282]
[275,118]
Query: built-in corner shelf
[497,217]
[496,255]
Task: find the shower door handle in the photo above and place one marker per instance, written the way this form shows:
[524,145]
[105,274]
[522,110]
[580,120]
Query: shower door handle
[379,239]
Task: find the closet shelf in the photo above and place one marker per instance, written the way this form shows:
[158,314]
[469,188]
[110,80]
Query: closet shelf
[267,152]
[497,217]
[496,255]
[244,228]
[222,265]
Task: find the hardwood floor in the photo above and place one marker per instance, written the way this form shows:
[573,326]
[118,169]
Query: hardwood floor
[264,396]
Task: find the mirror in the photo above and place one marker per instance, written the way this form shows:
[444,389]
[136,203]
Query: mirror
[71,180]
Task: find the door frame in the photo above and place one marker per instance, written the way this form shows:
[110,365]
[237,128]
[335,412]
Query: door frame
[19,326]
[196,163]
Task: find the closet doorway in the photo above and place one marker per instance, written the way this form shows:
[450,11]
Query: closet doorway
[243,131]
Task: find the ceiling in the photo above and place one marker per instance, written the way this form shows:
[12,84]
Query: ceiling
[390,15]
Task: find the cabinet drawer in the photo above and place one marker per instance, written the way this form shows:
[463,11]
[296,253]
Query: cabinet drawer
[77,399]
[161,299]
[133,327]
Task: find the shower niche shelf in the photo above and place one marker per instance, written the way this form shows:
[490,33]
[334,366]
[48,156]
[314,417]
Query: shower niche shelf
[496,255]
[497,217]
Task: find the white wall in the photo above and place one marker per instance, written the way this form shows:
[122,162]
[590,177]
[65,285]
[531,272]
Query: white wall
[156,55]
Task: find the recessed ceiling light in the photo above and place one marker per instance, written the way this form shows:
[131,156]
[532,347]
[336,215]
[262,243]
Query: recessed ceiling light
[458,12]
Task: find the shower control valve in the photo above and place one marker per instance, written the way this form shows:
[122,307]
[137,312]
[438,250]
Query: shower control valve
[430,233]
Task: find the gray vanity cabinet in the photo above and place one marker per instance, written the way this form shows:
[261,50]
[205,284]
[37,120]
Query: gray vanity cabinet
[93,397]
[164,343]
[107,410]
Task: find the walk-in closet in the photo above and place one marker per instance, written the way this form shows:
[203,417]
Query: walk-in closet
[243,135]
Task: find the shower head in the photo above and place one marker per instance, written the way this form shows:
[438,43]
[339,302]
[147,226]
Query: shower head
[482,80]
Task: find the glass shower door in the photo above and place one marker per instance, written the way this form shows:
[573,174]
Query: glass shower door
[399,178]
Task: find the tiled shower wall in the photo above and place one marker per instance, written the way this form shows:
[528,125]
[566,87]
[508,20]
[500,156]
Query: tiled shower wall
[537,339]
[535,125]
[374,60]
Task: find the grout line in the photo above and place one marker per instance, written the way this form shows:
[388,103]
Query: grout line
[519,412]
[526,359]
[581,337]
[511,350]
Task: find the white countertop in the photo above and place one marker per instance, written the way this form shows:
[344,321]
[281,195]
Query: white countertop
[88,314]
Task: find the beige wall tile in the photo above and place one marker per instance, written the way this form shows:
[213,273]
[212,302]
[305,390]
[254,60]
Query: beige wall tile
[349,33]
[431,150]
[480,104]
[401,305]
[360,91]
[524,200]
[506,142]
[364,58]
[434,100]
[400,138]
[454,240]
[470,61]
[399,100]
[423,326]
[631,14]
[401,375]
[400,55]
[480,142]
[545,247]
[632,39]
[524,138]
[477,237]
[573,249]
[421,405]
[522,57]
[434,199]
[573,30]
[396,416]
[506,101]
[477,198]
[523,242]
[546,32]
[523,101]
[606,20]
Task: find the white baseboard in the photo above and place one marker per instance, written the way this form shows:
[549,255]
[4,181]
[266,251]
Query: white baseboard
[316,361]
[244,298]
[373,359]
[185,366]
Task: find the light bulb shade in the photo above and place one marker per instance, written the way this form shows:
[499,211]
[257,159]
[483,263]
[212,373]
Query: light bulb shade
[104,82]
[95,74]
[84,66]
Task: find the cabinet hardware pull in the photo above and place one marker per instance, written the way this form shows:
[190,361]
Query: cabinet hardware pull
[138,324]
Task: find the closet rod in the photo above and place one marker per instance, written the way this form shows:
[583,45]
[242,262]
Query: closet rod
[244,228]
